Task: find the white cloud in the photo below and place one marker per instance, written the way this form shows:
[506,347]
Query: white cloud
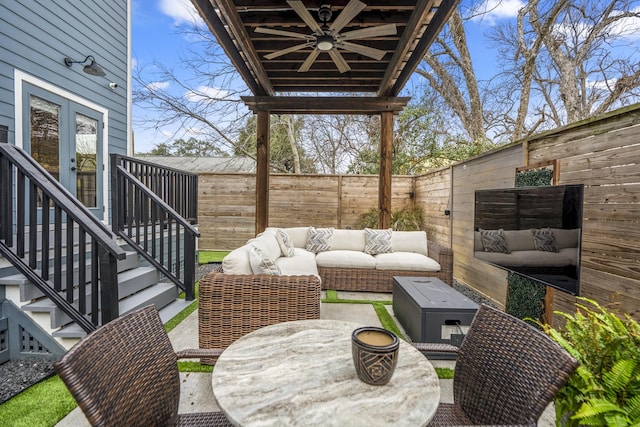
[182,11]
[158,85]
[206,92]
[491,11]
[628,28]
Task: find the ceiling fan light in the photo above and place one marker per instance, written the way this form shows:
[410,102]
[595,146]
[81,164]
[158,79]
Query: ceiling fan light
[324,43]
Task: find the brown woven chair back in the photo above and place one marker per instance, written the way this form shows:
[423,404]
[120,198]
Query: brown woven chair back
[125,373]
[507,372]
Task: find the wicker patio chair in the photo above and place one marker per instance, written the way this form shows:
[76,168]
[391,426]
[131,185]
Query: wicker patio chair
[506,373]
[125,373]
[232,305]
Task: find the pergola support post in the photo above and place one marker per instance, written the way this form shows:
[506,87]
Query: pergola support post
[386,159]
[262,171]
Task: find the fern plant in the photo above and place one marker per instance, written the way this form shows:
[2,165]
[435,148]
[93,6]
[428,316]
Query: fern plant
[605,389]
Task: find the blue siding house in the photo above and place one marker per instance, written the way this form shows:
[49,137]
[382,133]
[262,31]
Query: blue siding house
[87,232]
[39,91]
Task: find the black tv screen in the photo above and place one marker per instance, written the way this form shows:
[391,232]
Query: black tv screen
[532,231]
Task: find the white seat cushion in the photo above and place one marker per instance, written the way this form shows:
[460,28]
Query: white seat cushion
[345,259]
[406,261]
[302,263]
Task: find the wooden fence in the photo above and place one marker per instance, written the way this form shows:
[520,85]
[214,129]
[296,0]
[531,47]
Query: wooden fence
[603,153]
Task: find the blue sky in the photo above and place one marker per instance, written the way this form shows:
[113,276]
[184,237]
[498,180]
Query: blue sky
[156,38]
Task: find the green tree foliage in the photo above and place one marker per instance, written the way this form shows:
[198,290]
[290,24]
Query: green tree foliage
[189,148]
[419,145]
[605,389]
[285,151]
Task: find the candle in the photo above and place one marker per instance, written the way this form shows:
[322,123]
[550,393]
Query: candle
[376,338]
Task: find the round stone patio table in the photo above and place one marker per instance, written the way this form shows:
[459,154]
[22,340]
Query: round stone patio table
[301,373]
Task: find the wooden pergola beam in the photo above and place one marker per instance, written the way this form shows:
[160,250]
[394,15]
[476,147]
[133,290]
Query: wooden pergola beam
[325,104]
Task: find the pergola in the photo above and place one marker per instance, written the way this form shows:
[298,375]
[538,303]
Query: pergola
[280,47]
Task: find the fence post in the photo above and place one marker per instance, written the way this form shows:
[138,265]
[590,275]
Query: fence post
[108,286]
[189,265]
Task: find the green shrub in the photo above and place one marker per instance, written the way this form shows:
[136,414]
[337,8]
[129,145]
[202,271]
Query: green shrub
[525,298]
[401,220]
[605,389]
[534,178]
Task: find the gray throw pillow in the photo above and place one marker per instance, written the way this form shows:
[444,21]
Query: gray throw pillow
[544,240]
[319,239]
[494,241]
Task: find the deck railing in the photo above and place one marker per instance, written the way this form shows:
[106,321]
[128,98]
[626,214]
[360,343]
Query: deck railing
[49,220]
[153,209]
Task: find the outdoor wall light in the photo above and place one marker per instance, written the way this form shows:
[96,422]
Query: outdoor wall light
[91,68]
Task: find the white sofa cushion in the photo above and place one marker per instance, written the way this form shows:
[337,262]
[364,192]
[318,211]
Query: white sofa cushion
[567,238]
[319,239]
[345,259]
[299,236]
[268,243]
[237,261]
[406,261]
[409,241]
[302,263]
[261,263]
[348,240]
[377,241]
[519,240]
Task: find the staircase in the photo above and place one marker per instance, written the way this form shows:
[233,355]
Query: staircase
[139,284]
[63,272]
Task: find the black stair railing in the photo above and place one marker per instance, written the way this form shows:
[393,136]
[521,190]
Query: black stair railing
[49,236]
[153,209]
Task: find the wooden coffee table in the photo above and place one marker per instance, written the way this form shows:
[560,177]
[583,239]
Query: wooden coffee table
[302,373]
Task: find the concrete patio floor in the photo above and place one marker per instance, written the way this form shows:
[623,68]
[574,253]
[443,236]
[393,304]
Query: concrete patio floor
[196,394]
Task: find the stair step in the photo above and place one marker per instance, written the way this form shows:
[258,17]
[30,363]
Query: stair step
[161,295]
[28,291]
[130,282]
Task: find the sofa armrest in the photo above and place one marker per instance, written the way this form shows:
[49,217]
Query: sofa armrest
[232,305]
[444,256]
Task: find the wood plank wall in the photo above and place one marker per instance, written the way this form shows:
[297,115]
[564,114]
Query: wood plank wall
[603,154]
[433,195]
[226,205]
[492,170]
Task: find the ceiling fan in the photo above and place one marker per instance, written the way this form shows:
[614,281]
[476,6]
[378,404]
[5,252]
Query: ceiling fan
[327,38]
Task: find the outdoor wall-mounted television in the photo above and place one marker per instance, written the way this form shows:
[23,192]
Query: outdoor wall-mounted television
[532,231]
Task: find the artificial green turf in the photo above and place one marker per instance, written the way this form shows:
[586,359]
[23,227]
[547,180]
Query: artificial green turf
[205,257]
[41,405]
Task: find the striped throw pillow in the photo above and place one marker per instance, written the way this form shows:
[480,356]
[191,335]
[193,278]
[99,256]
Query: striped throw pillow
[544,240]
[494,241]
[377,241]
[319,239]
[261,263]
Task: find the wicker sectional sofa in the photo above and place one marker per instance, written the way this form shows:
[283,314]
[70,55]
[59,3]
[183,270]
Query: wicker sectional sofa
[347,262]
[234,300]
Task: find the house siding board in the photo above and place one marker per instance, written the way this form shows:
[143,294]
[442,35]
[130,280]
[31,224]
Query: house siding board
[36,36]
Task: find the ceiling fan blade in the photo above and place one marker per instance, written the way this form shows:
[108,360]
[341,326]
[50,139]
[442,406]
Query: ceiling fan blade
[302,11]
[283,33]
[363,50]
[306,65]
[365,33]
[342,65]
[287,50]
[352,8]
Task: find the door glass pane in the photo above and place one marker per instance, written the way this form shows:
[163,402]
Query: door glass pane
[45,134]
[86,160]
